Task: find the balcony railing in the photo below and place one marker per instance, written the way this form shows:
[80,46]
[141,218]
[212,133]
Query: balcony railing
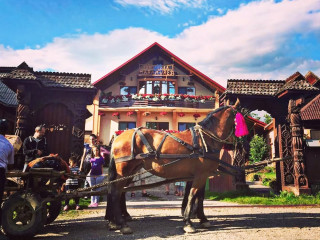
[174,100]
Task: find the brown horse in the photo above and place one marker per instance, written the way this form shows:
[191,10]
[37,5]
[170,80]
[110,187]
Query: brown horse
[151,149]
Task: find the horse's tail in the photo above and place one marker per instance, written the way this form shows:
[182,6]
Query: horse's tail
[112,171]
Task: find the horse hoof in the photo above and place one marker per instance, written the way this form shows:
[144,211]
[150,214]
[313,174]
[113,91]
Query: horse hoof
[128,218]
[126,230]
[113,227]
[189,229]
[206,225]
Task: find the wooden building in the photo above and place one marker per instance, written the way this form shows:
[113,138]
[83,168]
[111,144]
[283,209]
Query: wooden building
[8,105]
[56,100]
[283,99]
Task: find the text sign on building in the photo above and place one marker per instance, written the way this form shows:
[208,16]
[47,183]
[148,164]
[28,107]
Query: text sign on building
[156,70]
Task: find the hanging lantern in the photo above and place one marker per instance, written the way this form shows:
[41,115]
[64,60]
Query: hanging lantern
[130,113]
[163,113]
[196,115]
[101,113]
[116,114]
[181,114]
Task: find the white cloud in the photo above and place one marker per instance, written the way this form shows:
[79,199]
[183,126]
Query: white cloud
[250,42]
[163,6]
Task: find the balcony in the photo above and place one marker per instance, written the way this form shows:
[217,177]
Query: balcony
[174,100]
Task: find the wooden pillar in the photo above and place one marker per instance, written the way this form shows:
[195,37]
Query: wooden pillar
[139,119]
[174,121]
[300,179]
[23,112]
[217,102]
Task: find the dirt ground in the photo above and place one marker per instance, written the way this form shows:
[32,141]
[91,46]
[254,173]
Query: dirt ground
[160,218]
[229,222]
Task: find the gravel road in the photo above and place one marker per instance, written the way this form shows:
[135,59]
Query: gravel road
[161,219]
[229,222]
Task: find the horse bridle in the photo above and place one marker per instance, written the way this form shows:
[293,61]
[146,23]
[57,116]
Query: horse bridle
[212,135]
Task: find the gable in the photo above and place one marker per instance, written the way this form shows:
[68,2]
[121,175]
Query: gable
[155,51]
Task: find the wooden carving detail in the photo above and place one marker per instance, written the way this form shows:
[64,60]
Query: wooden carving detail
[23,112]
[286,151]
[294,107]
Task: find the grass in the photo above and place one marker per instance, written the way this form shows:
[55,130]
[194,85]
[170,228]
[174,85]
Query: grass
[251,197]
[266,175]
[83,203]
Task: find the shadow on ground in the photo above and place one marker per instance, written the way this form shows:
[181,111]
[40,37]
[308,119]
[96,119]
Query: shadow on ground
[171,226]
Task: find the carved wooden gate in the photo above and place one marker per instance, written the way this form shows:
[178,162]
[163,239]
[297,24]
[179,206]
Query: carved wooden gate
[58,123]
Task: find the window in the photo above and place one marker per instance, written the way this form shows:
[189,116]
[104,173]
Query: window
[126,125]
[157,87]
[187,90]
[128,90]
[158,125]
[185,126]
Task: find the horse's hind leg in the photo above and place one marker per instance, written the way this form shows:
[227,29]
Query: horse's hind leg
[123,206]
[116,191]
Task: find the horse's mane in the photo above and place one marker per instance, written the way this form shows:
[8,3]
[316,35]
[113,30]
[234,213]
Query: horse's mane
[207,122]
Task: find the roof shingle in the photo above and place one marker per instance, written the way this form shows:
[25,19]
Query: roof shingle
[48,79]
[311,111]
[254,87]
[7,96]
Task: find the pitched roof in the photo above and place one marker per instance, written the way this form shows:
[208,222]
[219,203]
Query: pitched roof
[297,82]
[311,111]
[175,58]
[7,96]
[47,79]
[312,78]
[254,87]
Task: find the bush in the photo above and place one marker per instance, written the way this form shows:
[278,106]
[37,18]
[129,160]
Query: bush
[258,149]
[266,181]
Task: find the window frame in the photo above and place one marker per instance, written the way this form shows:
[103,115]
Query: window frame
[153,82]
[190,123]
[127,125]
[130,87]
[184,87]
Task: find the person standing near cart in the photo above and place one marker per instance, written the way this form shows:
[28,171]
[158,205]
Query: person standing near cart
[35,146]
[6,157]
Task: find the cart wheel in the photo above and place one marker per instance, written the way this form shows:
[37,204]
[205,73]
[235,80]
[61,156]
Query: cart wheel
[22,216]
[53,211]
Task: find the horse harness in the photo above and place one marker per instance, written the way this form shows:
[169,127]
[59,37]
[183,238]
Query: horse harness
[197,151]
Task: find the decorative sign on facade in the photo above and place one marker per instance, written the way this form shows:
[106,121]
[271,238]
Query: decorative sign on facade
[156,70]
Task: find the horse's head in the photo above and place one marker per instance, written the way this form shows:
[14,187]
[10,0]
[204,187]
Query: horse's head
[225,121]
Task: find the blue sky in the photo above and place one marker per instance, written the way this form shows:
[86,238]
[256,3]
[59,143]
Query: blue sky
[223,39]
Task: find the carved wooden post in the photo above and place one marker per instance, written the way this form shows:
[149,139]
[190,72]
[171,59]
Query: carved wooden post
[23,112]
[287,176]
[239,160]
[300,178]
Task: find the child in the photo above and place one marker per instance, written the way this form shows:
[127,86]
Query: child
[180,188]
[95,173]
[72,183]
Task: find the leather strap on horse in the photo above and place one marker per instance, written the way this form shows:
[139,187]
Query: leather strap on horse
[196,152]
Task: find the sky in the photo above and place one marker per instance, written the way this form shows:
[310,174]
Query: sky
[224,39]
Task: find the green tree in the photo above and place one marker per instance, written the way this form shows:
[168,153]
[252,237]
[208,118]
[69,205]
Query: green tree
[267,118]
[258,149]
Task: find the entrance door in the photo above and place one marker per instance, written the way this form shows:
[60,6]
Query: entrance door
[58,123]
[158,125]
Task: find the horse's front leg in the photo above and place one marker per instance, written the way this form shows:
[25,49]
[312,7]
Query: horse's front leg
[204,222]
[188,228]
